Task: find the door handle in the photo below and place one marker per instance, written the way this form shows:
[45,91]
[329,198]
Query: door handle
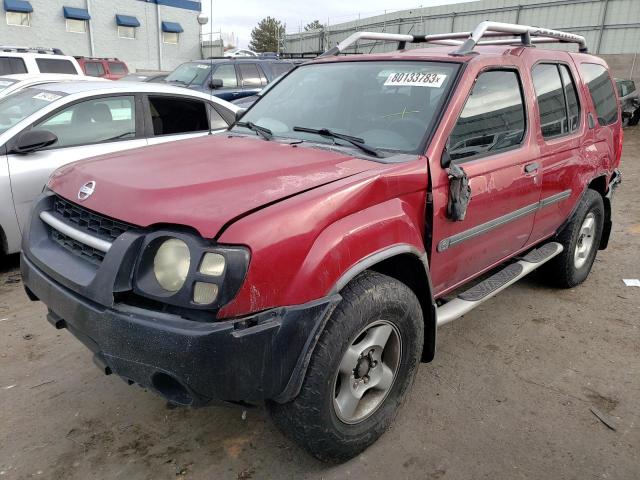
[531,167]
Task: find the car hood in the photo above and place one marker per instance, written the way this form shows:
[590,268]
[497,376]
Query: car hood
[203,183]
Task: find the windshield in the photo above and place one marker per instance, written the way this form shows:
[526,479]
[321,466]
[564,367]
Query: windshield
[6,83]
[17,107]
[388,105]
[190,73]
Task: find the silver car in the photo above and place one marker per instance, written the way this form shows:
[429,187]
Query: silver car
[45,127]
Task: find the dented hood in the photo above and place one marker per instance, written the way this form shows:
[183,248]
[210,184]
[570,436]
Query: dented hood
[203,183]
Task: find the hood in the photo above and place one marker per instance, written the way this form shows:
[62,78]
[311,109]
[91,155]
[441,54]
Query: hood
[203,183]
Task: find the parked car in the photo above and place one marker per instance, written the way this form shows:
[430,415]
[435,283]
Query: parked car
[45,127]
[240,53]
[151,77]
[109,68]
[271,55]
[228,79]
[14,60]
[14,83]
[245,102]
[629,101]
[306,258]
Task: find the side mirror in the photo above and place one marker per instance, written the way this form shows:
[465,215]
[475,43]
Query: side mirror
[240,113]
[33,140]
[215,83]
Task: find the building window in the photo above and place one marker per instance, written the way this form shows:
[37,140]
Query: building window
[127,32]
[19,19]
[170,37]
[76,26]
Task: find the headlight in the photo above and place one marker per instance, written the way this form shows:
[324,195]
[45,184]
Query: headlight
[171,264]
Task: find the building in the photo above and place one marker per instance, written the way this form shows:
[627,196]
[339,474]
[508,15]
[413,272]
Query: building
[611,27]
[146,34]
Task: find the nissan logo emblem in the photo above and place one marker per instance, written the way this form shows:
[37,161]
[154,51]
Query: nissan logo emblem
[87,190]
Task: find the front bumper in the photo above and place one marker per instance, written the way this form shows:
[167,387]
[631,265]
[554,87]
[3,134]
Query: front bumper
[192,363]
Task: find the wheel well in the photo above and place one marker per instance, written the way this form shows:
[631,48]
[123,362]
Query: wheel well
[599,184]
[409,269]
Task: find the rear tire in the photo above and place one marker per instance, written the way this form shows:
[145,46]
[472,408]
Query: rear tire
[323,418]
[635,118]
[580,239]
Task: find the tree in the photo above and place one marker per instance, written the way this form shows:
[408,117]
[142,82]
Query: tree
[265,37]
[315,25]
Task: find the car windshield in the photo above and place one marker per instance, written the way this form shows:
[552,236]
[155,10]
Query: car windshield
[388,105]
[190,73]
[17,107]
[6,83]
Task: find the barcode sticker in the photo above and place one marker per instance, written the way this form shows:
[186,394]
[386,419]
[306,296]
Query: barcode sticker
[416,79]
[47,97]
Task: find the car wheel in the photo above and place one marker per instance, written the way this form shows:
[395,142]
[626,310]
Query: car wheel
[635,118]
[580,239]
[359,372]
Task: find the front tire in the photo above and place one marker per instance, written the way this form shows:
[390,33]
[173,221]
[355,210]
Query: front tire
[359,372]
[580,239]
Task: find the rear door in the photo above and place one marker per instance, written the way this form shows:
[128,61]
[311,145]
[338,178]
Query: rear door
[491,141]
[84,129]
[171,118]
[252,78]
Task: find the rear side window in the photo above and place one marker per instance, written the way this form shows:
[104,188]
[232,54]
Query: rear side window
[11,65]
[50,65]
[117,68]
[557,99]
[493,119]
[601,90]
[250,75]
[171,115]
[94,69]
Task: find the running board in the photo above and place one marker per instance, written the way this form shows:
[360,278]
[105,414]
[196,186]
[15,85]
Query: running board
[483,291]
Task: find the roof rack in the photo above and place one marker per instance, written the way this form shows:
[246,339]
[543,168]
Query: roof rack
[109,59]
[42,50]
[467,41]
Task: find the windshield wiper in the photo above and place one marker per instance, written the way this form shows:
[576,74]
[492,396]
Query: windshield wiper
[264,132]
[355,141]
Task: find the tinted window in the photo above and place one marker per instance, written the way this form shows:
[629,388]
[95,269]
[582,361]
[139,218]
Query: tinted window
[11,65]
[50,65]
[250,75]
[171,115]
[571,94]
[602,94]
[493,119]
[117,68]
[280,68]
[93,121]
[226,73]
[94,69]
[552,106]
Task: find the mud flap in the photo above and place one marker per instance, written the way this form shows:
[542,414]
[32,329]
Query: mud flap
[459,193]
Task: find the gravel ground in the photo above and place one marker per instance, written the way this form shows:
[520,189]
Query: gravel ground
[509,395]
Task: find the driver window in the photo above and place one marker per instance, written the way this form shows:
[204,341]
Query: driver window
[93,121]
[226,73]
[493,119]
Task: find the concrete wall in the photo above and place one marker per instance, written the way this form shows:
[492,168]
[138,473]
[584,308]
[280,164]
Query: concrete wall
[610,26]
[48,29]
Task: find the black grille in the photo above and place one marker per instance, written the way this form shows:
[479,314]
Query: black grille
[89,222]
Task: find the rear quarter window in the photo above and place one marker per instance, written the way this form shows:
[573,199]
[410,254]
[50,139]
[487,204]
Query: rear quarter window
[117,68]
[601,89]
[11,65]
[51,65]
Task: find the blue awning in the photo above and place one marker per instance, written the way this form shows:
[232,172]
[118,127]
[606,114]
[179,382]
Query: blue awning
[172,27]
[21,6]
[127,21]
[76,13]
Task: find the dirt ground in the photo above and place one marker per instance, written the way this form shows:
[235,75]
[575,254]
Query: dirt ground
[508,396]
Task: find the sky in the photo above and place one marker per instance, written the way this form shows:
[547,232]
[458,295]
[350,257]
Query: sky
[241,16]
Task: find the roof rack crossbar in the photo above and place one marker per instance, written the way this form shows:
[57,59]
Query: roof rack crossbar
[20,49]
[485,33]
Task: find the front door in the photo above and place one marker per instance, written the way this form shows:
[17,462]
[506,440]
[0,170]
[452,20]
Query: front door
[490,141]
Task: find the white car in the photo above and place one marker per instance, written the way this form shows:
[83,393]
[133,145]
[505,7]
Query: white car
[14,83]
[45,127]
[14,60]
[240,53]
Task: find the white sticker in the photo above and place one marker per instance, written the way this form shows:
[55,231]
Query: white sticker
[47,97]
[204,67]
[416,79]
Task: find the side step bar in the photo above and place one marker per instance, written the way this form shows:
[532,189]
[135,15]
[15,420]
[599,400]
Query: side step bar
[483,291]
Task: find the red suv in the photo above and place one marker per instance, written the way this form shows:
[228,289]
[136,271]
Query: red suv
[306,258]
[109,68]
